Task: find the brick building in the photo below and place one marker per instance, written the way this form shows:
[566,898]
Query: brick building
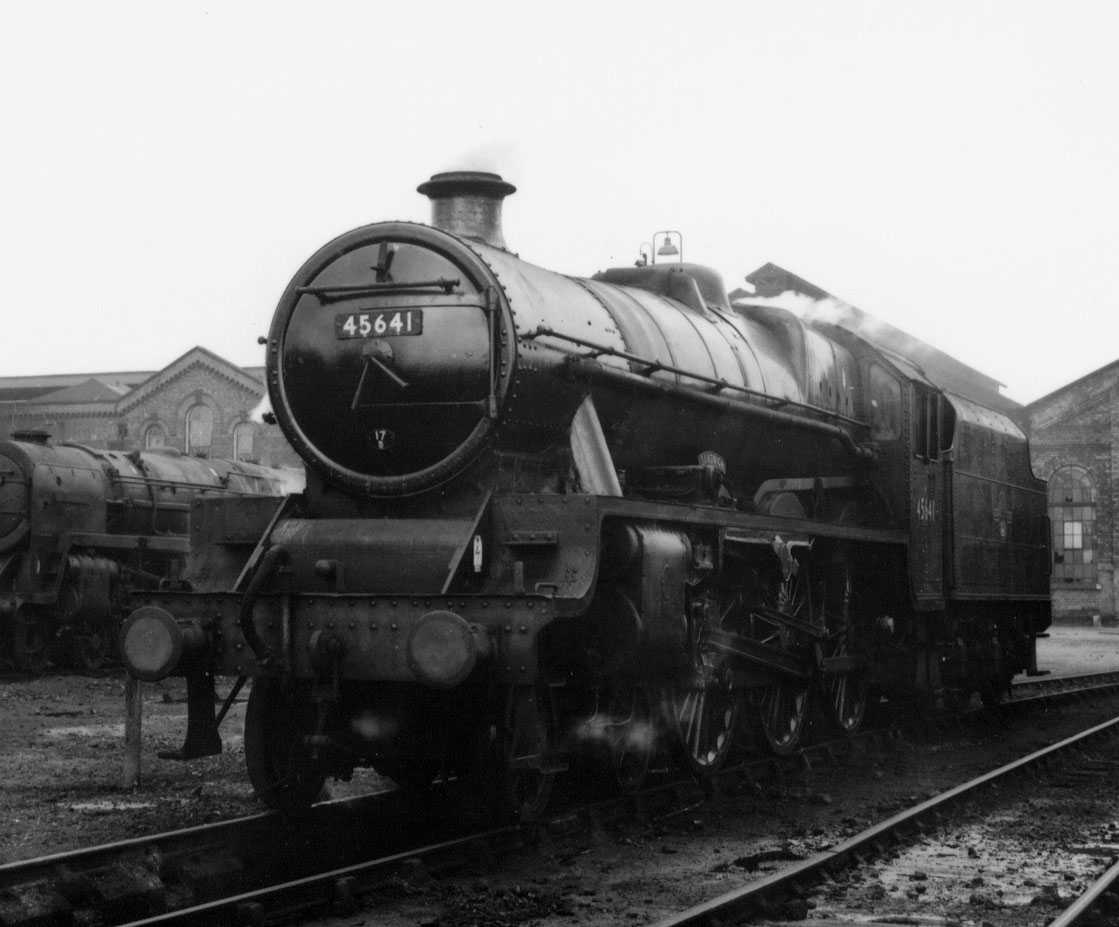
[199,404]
[1074,439]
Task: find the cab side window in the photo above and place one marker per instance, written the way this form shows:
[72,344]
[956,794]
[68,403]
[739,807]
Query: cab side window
[926,423]
[885,405]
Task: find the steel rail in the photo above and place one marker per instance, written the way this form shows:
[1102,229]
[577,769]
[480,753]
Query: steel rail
[1058,688]
[45,888]
[335,881]
[1084,905]
[86,856]
[1057,682]
[743,901]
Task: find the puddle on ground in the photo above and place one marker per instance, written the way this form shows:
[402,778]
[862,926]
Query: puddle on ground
[86,730]
[109,806]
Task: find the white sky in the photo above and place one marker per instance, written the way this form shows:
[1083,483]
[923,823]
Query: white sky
[948,166]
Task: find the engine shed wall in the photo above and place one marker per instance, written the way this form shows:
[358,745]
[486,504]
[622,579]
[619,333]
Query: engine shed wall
[1074,441]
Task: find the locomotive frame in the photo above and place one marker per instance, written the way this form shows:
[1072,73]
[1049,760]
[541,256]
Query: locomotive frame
[551,574]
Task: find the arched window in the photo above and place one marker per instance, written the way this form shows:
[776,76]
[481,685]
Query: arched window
[199,429]
[155,436]
[243,434]
[1072,513]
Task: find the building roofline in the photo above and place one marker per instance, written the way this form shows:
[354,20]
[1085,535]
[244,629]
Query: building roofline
[64,379]
[218,363]
[1071,384]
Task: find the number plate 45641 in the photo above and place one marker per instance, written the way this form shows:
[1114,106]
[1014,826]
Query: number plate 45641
[382,324]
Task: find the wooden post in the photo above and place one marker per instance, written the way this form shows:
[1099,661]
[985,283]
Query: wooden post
[133,718]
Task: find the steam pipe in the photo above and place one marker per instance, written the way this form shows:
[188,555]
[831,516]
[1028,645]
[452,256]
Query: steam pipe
[587,370]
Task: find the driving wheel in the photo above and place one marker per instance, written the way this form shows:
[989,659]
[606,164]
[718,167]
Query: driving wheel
[843,683]
[783,713]
[783,705]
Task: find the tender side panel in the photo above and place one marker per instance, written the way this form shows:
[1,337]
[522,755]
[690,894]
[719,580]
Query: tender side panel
[1000,546]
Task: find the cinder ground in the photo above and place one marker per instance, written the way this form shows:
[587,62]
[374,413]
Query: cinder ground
[62,756]
[1073,650]
[61,766]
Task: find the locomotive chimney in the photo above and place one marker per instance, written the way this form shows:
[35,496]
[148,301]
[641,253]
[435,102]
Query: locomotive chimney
[468,203]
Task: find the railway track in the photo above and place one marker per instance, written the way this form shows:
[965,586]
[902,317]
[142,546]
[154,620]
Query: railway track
[242,869]
[893,863]
[177,871]
[1098,901]
[1054,687]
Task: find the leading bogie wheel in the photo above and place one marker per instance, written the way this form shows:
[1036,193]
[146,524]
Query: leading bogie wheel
[283,770]
[527,792]
[632,739]
[526,776]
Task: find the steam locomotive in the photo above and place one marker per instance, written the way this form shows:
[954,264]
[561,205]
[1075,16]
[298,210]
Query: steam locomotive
[550,518]
[78,526]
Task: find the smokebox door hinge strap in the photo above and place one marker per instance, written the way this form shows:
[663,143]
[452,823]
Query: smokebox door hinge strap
[383,267]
